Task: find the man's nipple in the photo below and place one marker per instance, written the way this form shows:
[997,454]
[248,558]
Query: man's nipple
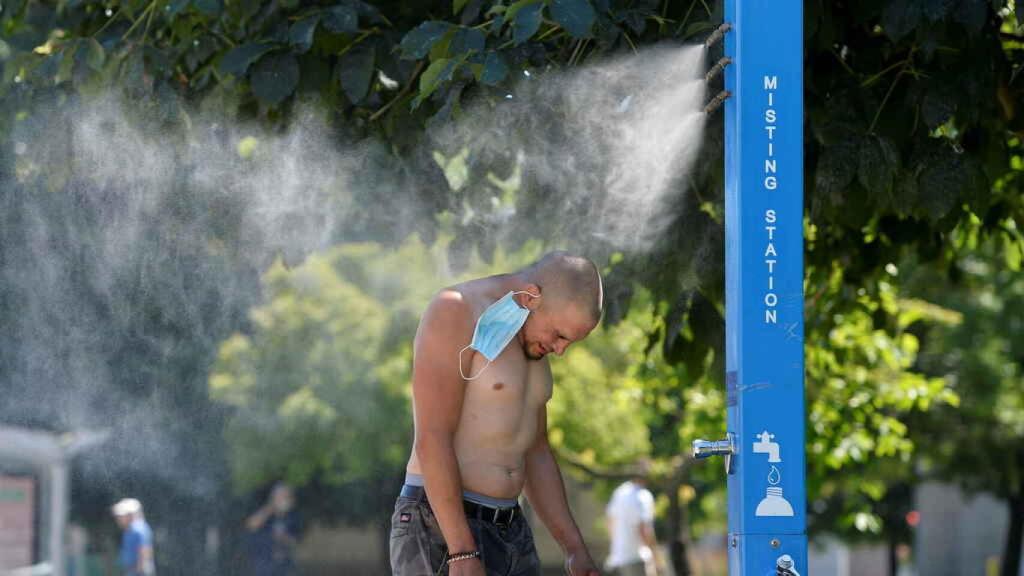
[498,385]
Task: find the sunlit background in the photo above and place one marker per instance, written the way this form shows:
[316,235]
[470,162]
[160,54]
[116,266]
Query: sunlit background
[221,219]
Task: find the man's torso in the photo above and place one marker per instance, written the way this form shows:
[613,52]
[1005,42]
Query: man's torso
[136,537]
[500,415]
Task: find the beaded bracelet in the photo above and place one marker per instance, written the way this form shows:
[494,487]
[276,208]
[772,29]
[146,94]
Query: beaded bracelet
[463,556]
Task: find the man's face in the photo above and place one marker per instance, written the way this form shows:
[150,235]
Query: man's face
[282,499]
[550,329]
[123,521]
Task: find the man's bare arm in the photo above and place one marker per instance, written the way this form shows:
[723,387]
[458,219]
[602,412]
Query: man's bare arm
[258,518]
[546,492]
[437,399]
[647,537]
[144,559]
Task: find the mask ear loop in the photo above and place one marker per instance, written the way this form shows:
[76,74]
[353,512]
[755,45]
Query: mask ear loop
[461,373]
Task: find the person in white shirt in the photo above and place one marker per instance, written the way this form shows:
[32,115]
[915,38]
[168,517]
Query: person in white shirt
[630,519]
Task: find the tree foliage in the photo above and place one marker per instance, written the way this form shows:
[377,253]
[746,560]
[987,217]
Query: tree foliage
[981,355]
[895,155]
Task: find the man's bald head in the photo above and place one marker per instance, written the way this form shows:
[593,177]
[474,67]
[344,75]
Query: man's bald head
[568,279]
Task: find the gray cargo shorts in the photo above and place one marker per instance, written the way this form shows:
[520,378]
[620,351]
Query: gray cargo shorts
[418,548]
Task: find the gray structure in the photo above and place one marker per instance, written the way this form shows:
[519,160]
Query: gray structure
[46,456]
[959,534]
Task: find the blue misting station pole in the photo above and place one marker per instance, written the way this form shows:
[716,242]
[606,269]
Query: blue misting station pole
[764,289]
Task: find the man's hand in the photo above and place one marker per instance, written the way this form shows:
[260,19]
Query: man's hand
[473,567]
[580,564]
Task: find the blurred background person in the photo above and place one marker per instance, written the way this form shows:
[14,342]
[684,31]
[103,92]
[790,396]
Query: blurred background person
[136,555]
[630,520]
[274,533]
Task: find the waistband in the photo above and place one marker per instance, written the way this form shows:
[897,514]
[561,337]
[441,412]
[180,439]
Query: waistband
[489,501]
[497,516]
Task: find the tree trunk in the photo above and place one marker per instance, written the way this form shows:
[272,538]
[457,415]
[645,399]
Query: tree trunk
[1011,552]
[894,563]
[678,530]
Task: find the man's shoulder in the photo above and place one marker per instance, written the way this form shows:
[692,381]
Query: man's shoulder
[138,533]
[448,306]
[620,493]
[630,491]
[447,319]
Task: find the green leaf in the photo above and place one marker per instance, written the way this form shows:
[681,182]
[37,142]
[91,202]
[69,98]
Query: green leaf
[837,168]
[440,48]
[208,7]
[341,19]
[238,60]
[1012,253]
[938,106]
[94,54]
[527,22]
[370,13]
[437,73]
[274,77]
[495,70]
[899,18]
[942,181]
[356,72]
[575,16]
[5,50]
[302,32]
[418,41]
[467,40]
[458,5]
[878,162]
[513,9]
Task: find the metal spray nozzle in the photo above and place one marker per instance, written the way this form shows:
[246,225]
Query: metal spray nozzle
[717,101]
[717,68]
[717,35]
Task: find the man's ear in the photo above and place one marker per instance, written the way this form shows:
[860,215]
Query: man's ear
[532,301]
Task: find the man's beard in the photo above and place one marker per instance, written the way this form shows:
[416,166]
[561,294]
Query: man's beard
[530,355]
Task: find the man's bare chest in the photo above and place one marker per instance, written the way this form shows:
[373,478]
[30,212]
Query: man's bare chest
[510,381]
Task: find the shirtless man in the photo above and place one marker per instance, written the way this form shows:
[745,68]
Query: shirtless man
[481,382]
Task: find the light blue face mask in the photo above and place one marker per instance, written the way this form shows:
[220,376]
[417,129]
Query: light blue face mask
[495,329]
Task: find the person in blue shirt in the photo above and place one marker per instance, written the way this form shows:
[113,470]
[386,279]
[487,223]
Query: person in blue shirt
[274,532]
[136,555]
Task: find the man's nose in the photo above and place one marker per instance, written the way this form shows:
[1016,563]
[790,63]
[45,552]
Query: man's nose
[560,348]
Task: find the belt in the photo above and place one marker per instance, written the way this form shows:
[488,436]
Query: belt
[496,516]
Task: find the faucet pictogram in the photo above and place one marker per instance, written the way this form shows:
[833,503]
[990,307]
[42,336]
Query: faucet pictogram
[765,446]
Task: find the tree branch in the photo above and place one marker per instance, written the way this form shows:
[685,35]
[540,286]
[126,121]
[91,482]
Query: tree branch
[678,466]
